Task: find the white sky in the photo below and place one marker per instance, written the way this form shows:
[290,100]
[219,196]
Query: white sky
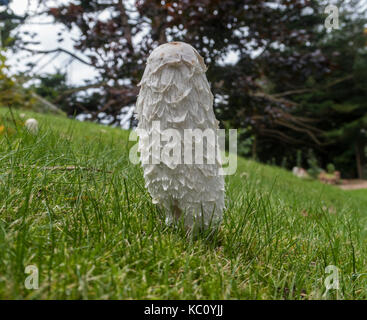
[47,36]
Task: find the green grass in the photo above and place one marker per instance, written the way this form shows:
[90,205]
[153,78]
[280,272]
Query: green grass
[93,232]
[361,192]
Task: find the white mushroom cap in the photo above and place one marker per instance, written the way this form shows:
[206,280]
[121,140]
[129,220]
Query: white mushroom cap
[173,53]
[32,125]
[176,51]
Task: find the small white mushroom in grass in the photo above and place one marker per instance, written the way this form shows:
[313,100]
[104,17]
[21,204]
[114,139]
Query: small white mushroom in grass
[176,93]
[32,125]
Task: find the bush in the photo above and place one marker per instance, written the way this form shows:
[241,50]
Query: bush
[299,159]
[314,169]
[11,93]
[330,168]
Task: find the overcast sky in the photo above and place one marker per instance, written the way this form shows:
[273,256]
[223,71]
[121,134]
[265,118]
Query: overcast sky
[47,36]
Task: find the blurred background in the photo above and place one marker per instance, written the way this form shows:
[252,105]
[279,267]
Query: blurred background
[295,90]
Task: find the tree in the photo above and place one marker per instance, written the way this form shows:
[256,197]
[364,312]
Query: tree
[339,101]
[288,75]
[117,46]
[11,93]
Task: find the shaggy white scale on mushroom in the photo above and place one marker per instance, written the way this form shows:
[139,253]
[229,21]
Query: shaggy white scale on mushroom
[175,91]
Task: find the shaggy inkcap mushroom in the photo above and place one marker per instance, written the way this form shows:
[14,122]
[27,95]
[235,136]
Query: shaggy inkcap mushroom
[175,92]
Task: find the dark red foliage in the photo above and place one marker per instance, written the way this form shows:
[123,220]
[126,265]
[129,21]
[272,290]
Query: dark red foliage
[284,38]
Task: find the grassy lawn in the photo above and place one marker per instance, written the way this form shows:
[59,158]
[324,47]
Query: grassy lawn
[362,193]
[73,205]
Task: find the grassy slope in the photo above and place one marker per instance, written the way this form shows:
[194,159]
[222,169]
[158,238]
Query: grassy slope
[95,234]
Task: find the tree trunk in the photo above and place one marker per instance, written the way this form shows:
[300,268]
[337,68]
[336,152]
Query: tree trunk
[254,147]
[359,161]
